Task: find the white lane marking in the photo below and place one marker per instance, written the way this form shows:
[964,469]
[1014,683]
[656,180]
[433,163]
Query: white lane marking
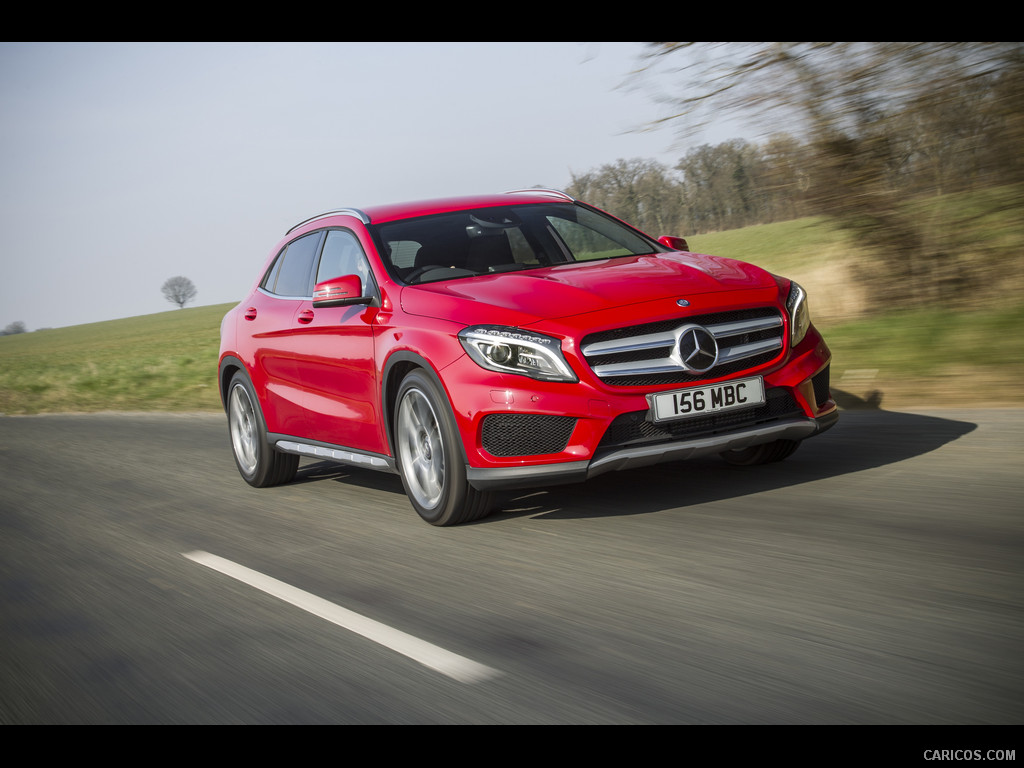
[427,654]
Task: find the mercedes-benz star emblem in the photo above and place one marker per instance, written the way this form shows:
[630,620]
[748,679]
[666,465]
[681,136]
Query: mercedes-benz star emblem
[698,350]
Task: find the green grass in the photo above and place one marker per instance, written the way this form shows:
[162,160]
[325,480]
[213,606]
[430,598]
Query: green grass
[785,247]
[165,361]
[928,356]
[933,357]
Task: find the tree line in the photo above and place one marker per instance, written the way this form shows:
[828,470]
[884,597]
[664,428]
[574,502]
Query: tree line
[712,188]
[884,132]
[939,149]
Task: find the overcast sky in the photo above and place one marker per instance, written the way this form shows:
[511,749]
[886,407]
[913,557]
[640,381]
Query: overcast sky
[128,163]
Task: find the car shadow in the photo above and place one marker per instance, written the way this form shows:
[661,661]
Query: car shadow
[866,437]
[312,471]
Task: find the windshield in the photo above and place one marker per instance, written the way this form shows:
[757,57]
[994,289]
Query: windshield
[487,240]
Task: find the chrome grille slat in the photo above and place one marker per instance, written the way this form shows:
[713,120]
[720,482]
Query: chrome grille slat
[742,351]
[626,355]
[632,369]
[745,326]
[634,344]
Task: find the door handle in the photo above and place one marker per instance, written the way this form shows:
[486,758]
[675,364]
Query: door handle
[306,316]
[250,313]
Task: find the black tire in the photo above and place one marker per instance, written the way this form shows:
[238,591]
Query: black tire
[762,454]
[259,464]
[430,458]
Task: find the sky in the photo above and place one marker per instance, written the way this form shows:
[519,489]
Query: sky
[124,164]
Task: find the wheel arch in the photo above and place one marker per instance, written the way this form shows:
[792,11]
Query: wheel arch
[398,366]
[229,366]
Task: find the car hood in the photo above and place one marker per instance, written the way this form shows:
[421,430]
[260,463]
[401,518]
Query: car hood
[573,289]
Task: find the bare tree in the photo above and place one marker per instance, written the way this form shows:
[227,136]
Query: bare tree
[179,290]
[878,118]
[641,192]
[14,328]
[726,186]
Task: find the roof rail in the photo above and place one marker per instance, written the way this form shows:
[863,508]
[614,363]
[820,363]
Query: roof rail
[339,212]
[543,191]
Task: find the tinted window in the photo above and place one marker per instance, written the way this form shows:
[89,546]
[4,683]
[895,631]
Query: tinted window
[488,240]
[342,255]
[589,235]
[290,275]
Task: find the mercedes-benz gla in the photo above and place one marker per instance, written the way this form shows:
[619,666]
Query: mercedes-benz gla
[509,341]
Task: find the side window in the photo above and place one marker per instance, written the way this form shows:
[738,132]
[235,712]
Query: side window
[342,255]
[290,274]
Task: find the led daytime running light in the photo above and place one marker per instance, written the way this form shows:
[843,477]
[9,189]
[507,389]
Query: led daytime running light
[512,350]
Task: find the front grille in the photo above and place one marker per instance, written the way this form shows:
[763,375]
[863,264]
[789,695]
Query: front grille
[644,355]
[524,434]
[635,428]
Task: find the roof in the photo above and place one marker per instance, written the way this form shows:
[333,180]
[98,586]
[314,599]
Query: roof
[394,211]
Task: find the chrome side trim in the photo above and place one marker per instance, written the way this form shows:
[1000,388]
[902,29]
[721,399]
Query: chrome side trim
[542,191]
[265,292]
[339,212]
[343,456]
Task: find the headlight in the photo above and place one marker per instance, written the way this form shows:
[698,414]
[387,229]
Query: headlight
[513,350]
[799,313]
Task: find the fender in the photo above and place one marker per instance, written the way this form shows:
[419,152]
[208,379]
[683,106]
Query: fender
[228,364]
[395,367]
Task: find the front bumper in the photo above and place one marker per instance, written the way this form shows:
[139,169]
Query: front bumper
[547,434]
[640,455]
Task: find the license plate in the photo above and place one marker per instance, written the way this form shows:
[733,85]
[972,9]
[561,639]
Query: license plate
[700,401]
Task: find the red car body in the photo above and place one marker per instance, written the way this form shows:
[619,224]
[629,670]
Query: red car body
[554,365]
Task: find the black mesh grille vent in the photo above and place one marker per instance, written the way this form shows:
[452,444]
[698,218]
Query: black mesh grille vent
[821,387]
[632,428]
[524,434]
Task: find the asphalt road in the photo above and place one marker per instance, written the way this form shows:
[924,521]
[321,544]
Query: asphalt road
[874,577]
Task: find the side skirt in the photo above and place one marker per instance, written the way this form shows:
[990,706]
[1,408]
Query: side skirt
[326,451]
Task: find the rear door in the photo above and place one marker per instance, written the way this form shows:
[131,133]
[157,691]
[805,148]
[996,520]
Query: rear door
[271,320]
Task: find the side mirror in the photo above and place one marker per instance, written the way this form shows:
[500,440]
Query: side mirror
[340,292]
[675,243]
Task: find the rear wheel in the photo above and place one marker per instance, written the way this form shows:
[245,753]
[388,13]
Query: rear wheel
[258,463]
[430,458]
[762,454]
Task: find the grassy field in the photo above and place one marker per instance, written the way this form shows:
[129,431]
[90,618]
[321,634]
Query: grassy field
[168,361]
[898,358]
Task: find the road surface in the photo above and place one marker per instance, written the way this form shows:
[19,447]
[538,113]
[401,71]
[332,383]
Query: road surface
[874,577]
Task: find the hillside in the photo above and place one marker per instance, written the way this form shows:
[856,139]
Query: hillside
[899,358]
[165,361]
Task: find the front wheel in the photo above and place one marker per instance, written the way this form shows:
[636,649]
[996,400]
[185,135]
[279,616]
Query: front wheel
[762,454]
[429,456]
[258,463]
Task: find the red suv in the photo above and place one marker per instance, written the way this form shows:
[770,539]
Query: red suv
[511,341]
